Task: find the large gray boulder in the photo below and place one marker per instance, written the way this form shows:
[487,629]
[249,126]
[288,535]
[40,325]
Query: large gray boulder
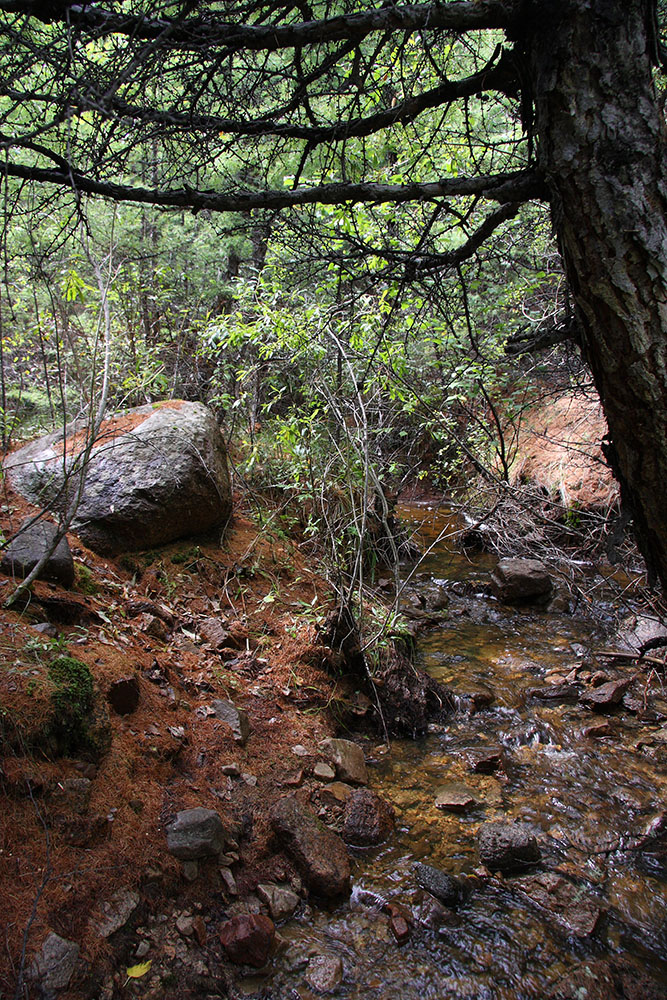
[156,473]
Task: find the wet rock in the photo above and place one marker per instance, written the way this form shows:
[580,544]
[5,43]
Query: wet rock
[248,939]
[123,695]
[55,963]
[324,973]
[431,914]
[607,695]
[164,479]
[115,913]
[399,921]
[282,902]
[348,760]
[409,698]
[196,833]
[597,730]
[564,902]
[335,794]
[441,885]
[455,798]
[507,846]
[555,693]
[602,980]
[485,761]
[236,719]
[368,819]
[518,581]
[319,855]
[29,545]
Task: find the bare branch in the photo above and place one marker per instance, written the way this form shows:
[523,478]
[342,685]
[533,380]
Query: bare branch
[194,33]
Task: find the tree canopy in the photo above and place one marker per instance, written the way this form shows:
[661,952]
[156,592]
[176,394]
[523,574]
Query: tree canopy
[395,139]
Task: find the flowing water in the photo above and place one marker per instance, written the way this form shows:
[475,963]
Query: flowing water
[588,799]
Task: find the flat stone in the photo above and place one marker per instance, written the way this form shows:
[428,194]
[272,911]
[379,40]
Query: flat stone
[115,913]
[517,581]
[27,548]
[324,973]
[282,902]
[507,846]
[319,855]
[597,730]
[454,798]
[349,761]
[336,794]
[236,718]
[123,695]
[368,819]
[607,695]
[572,912]
[444,887]
[323,772]
[196,833]
[248,939]
[55,963]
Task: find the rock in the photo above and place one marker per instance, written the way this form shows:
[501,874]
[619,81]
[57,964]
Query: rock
[323,772]
[516,581]
[282,902]
[123,695]
[571,910]
[236,719]
[400,928]
[485,761]
[227,877]
[216,635]
[200,932]
[348,760]
[335,794]
[319,854]
[324,973]
[185,925]
[116,912]
[507,846]
[597,730]
[195,833]
[441,885]
[454,798]
[248,939]
[368,818]
[597,979]
[29,545]
[607,695]
[163,478]
[55,963]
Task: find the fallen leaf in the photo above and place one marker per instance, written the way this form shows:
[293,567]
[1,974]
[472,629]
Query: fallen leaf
[137,971]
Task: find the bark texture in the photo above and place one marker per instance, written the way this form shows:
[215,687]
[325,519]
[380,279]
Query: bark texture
[601,149]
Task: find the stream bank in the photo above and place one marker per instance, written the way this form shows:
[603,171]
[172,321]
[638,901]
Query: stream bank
[196,626]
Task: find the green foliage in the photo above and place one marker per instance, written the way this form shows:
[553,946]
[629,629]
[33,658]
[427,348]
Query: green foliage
[74,729]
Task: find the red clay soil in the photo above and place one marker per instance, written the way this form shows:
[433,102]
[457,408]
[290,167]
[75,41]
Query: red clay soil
[167,755]
[559,451]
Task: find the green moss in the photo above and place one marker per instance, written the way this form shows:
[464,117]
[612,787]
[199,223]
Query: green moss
[85,580]
[70,730]
[190,555]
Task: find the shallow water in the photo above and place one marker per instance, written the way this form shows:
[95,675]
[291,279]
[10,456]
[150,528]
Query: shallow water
[589,800]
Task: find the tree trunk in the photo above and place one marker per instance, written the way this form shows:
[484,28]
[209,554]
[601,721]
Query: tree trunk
[601,147]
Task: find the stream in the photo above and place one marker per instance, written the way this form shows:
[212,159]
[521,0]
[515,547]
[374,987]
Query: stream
[589,800]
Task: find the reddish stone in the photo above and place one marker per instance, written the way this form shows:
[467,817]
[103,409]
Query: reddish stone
[199,927]
[368,818]
[248,939]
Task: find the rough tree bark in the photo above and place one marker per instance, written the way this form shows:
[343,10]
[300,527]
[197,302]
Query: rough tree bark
[601,149]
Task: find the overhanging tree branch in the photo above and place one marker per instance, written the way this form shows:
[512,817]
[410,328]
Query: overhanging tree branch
[520,185]
[194,33]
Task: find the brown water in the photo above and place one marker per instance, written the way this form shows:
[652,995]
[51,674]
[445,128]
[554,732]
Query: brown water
[589,800]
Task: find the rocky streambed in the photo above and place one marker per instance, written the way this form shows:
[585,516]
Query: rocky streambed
[529,857]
